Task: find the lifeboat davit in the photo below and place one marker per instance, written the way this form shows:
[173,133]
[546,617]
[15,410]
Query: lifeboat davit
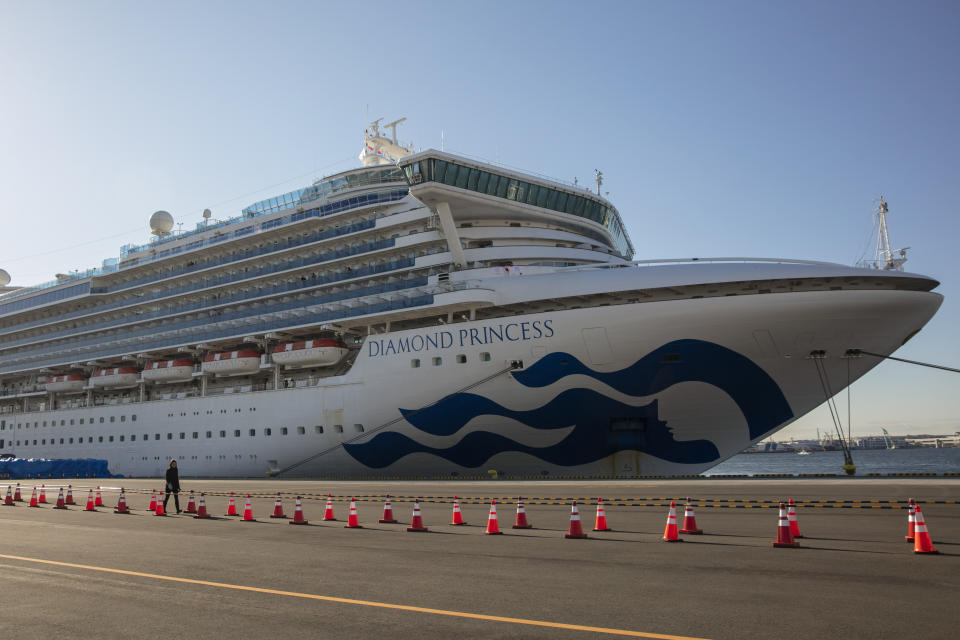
[70,382]
[115,377]
[232,363]
[168,371]
[322,352]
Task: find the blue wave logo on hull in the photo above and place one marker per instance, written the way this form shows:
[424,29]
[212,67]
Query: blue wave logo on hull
[602,426]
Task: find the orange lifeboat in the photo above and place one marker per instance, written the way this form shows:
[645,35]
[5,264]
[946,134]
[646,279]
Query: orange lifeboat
[67,383]
[322,352]
[232,363]
[115,377]
[168,371]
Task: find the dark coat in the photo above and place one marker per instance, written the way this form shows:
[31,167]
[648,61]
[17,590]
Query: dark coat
[173,480]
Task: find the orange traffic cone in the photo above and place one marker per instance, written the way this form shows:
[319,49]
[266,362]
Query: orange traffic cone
[98,502]
[232,506]
[388,513]
[153,500]
[328,510]
[248,511]
[43,494]
[911,510]
[202,509]
[33,499]
[457,514]
[576,530]
[417,523]
[923,543]
[521,521]
[159,510]
[601,523]
[90,506]
[278,508]
[298,514]
[8,501]
[353,522]
[670,532]
[792,519]
[122,503]
[689,520]
[784,538]
[60,501]
[69,499]
[191,504]
[16,494]
[493,525]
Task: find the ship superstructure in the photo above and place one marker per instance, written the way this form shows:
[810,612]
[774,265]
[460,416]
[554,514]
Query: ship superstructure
[428,314]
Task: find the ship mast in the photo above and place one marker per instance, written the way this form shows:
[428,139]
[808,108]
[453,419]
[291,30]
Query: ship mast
[884,257]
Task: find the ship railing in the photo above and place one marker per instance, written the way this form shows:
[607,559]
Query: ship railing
[667,261]
[216,316]
[181,337]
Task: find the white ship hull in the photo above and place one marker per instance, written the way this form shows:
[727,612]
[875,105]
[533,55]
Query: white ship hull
[652,388]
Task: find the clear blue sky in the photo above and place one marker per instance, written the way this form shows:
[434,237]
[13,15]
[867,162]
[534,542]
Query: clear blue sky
[723,128]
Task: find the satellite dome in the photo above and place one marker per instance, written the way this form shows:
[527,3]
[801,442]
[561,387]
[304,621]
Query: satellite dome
[161,223]
[207,214]
[4,278]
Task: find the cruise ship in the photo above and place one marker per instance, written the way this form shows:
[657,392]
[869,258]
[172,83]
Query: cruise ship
[428,314]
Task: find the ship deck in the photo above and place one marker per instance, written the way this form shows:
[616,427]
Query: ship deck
[95,575]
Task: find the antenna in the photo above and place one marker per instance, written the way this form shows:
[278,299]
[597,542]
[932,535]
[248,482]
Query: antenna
[598,176]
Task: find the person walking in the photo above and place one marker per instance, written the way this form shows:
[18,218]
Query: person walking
[173,486]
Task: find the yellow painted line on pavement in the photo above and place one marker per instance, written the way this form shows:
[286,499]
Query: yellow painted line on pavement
[365,603]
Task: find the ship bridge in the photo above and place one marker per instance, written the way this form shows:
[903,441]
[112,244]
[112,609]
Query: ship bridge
[461,189]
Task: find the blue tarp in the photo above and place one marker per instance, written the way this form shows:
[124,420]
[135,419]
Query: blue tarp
[53,468]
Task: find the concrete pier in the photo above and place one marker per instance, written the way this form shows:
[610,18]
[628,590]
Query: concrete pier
[100,575]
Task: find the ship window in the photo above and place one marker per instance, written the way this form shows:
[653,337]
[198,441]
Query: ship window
[415,363]
[223,434]
[122,438]
[209,434]
[71,422]
[236,433]
[461,358]
[133,437]
[484,356]
[283,431]
[318,429]
[44,423]
[301,431]
[110,438]
[437,362]
[358,427]
[182,435]
[512,186]
[81,421]
[100,439]
[253,432]
[112,419]
[268,431]
[472,179]
[63,423]
[483,181]
[169,436]
[101,419]
[338,428]
[123,418]
[71,440]
[43,441]
[156,436]
[533,191]
[133,418]
[61,441]
[35,442]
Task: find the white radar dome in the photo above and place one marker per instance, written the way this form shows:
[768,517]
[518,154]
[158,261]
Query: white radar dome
[4,278]
[207,214]
[161,223]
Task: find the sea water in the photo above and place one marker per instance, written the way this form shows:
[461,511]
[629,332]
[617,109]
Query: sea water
[884,461]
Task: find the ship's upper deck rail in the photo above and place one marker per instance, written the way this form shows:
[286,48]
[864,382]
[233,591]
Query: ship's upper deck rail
[238,330]
[443,168]
[81,289]
[662,261]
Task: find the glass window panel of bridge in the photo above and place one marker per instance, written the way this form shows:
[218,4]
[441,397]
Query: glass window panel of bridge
[472,179]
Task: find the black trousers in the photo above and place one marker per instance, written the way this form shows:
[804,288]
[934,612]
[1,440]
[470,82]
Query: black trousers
[176,500]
